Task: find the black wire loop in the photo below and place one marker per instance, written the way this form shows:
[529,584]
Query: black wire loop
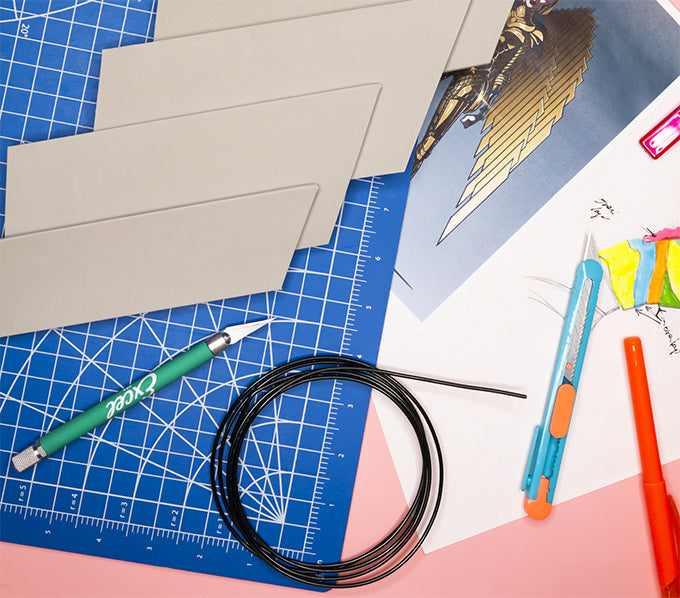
[387,555]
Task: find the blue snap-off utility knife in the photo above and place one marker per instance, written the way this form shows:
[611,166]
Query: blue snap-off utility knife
[547,446]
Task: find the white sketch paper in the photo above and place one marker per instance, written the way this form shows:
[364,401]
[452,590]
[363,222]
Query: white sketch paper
[498,329]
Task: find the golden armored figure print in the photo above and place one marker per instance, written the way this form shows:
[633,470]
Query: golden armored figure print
[472,91]
[539,62]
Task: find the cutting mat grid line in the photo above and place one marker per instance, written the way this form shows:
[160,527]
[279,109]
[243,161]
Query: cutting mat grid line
[50,60]
[138,488]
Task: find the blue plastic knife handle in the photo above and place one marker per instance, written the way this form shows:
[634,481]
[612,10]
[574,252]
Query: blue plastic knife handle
[547,446]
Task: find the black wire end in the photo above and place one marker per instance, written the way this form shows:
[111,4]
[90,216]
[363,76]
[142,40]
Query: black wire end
[499,391]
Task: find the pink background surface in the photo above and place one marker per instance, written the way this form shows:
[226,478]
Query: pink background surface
[594,546]
[597,545]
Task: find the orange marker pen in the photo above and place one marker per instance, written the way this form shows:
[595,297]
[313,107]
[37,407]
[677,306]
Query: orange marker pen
[659,503]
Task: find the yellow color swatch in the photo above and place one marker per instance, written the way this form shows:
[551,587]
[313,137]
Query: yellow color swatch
[673,266]
[622,261]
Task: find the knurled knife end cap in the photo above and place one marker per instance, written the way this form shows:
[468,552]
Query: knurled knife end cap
[27,458]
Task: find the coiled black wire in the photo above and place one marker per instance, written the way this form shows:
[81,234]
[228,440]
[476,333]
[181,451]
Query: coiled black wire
[395,549]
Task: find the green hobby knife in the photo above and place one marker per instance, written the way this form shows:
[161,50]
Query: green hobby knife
[127,397]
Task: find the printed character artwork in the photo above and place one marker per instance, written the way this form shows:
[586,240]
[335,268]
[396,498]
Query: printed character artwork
[499,140]
[538,63]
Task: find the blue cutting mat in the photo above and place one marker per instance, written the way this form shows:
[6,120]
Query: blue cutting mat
[138,488]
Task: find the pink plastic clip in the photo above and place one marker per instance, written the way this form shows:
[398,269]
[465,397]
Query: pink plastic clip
[660,139]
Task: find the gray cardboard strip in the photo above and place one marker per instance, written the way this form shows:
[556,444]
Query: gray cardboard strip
[403,45]
[479,34]
[192,159]
[208,251]
[177,18]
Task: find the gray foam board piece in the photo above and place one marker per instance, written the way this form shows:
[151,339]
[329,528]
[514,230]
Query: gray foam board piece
[177,18]
[191,159]
[204,252]
[479,34]
[403,46]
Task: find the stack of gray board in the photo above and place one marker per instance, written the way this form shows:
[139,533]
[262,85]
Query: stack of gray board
[229,120]
[473,45]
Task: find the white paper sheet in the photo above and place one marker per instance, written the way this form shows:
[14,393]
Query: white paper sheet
[495,330]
